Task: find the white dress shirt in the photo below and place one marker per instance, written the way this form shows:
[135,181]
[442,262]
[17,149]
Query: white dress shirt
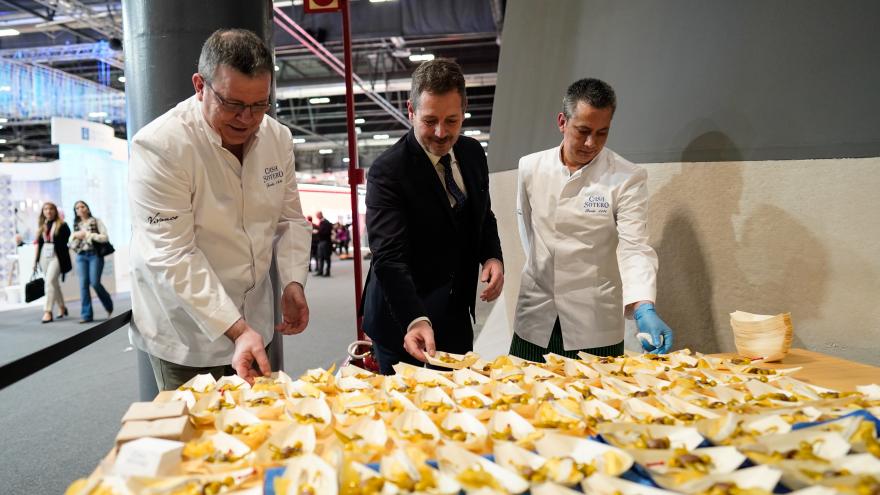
[204,228]
[586,244]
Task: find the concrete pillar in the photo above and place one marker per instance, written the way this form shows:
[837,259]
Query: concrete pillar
[163,39]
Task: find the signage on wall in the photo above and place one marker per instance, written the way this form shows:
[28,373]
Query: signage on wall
[319,6]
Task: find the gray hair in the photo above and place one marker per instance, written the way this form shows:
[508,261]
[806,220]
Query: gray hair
[239,49]
[438,76]
[598,94]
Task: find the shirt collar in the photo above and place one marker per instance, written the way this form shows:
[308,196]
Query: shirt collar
[434,158]
[565,169]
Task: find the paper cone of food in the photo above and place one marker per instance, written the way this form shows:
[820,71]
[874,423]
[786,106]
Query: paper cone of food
[307,473]
[475,473]
[534,373]
[233,383]
[299,389]
[291,441]
[600,484]
[564,414]
[206,408]
[357,479]
[396,383]
[367,433]
[351,407]
[464,429]
[470,400]
[543,391]
[265,404]
[415,426]
[434,401]
[425,377]
[762,479]
[589,456]
[216,452]
[550,488]
[600,411]
[200,384]
[469,378]
[804,445]
[508,373]
[310,411]
[352,384]
[639,436]
[673,468]
[521,461]
[844,474]
[452,361]
[414,476]
[510,427]
[766,337]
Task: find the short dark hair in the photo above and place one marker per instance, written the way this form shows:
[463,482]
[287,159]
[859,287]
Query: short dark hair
[598,94]
[438,76]
[240,49]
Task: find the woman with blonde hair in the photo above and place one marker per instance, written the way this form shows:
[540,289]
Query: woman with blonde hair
[88,234]
[52,257]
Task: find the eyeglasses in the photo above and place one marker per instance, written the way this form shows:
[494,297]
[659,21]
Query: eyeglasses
[238,108]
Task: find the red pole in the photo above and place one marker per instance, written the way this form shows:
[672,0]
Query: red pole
[355,175]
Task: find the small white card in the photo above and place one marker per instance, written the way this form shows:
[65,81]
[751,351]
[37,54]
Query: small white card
[148,457]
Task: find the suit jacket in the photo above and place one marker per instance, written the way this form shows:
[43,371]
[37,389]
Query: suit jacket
[61,251]
[416,270]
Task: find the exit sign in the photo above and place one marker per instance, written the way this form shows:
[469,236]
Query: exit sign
[318,6]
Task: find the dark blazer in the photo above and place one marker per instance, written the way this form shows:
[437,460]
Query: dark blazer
[61,250]
[414,239]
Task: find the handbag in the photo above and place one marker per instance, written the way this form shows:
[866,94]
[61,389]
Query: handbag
[103,248]
[34,289]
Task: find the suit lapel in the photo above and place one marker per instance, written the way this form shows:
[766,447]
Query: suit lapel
[427,174]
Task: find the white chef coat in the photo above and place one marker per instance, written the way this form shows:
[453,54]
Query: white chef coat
[204,227]
[586,244]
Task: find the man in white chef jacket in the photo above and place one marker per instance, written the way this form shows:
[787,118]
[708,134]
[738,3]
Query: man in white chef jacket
[582,217]
[213,195]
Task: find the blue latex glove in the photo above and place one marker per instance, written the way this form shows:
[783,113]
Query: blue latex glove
[651,324]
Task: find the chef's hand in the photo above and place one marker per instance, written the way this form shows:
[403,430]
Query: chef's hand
[492,274]
[419,340]
[249,347]
[651,324]
[294,310]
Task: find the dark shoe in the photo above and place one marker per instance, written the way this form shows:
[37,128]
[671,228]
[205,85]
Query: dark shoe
[62,314]
[44,320]
[87,321]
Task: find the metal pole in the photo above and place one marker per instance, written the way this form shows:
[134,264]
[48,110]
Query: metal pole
[355,175]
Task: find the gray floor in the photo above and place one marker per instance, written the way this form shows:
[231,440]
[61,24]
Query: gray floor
[58,423]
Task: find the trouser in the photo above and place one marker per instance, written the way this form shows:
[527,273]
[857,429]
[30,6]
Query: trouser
[89,267]
[342,245]
[52,276]
[524,349]
[324,251]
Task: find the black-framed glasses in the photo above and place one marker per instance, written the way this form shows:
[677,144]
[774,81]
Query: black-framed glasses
[236,107]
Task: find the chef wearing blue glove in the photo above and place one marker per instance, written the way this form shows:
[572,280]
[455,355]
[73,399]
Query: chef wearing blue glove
[582,211]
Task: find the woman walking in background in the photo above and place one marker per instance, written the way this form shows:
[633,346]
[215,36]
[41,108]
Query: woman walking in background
[52,257]
[88,235]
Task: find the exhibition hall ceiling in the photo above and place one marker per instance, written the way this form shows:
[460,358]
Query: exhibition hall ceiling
[83,39]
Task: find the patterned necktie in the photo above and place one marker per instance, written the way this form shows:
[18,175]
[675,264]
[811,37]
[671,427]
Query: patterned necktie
[451,187]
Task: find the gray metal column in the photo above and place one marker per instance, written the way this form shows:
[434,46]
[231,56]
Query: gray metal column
[163,39]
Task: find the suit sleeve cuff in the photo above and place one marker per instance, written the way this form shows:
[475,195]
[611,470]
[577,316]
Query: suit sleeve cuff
[417,320]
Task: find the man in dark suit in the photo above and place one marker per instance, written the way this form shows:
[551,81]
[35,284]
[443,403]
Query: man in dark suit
[431,226]
[325,248]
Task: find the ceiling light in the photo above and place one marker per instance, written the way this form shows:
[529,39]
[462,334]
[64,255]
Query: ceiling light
[121,79]
[2,155]
[9,32]
[421,57]
[319,100]
[108,121]
[484,144]
[467,115]
[379,1]
[297,2]
[357,130]
[277,68]
[380,137]
[298,140]
[472,132]
[325,151]
[283,3]
[6,88]
[1,127]
[2,141]
[96,115]
[4,120]
[345,160]
[360,121]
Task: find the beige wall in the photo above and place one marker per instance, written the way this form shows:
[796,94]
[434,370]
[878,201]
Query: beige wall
[764,237]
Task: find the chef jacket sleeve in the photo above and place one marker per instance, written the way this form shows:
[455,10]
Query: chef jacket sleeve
[524,209]
[637,260]
[163,239]
[293,235]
